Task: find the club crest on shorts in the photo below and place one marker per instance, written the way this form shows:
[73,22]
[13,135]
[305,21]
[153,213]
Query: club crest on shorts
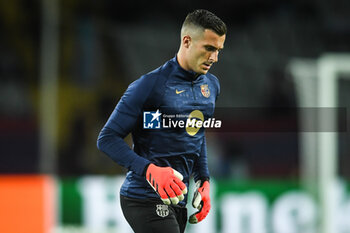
[162,210]
[205,90]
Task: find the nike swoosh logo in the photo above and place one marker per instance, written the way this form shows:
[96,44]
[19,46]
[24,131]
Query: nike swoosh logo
[179,92]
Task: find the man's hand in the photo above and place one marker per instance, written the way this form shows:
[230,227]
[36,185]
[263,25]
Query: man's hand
[167,182]
[201,201]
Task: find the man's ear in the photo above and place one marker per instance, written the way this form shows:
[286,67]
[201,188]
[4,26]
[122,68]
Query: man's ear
[186,41]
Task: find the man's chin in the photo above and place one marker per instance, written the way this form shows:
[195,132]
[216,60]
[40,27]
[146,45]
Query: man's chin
[202,71]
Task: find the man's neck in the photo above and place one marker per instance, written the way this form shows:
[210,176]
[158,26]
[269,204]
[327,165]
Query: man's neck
[181,60]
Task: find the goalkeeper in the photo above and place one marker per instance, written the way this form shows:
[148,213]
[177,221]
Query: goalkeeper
[154,194]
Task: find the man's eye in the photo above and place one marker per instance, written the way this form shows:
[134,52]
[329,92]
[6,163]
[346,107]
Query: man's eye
[210,49]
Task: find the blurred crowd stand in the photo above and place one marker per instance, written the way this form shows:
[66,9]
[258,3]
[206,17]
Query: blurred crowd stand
[104,46]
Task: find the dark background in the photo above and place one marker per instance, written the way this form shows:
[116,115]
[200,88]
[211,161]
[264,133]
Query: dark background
[104,45]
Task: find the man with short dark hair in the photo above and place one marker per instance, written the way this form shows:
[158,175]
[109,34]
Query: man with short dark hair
[154,193]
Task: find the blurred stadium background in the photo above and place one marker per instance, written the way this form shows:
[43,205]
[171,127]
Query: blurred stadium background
[64,64]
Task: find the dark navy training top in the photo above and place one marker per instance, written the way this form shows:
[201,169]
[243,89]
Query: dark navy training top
[174,92]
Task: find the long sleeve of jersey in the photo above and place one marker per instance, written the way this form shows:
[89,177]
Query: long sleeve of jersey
[121,123]
[201,167]
[201,170]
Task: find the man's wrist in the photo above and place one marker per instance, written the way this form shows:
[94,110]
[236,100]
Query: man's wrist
[202,179]
[145,170]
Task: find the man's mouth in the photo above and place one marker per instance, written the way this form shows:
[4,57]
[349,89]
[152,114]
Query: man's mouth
[207,65]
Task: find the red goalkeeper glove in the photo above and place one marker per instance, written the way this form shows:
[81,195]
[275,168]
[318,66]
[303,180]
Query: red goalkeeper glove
[167,183]
[201,201]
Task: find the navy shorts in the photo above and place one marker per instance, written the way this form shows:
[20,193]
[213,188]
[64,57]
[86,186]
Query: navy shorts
[152,216]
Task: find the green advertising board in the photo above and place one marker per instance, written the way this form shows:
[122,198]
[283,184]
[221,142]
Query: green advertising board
[91,205]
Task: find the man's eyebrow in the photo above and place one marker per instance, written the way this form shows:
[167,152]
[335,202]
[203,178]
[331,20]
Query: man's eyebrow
[212,46]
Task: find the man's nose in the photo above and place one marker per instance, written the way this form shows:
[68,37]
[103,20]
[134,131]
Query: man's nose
[214,56]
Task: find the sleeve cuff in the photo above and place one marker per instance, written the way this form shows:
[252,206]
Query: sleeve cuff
[139,165]
[202,179]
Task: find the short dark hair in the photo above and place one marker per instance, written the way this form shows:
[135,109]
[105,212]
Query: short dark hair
[206,20]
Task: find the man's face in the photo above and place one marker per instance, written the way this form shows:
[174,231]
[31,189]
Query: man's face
[204,51]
